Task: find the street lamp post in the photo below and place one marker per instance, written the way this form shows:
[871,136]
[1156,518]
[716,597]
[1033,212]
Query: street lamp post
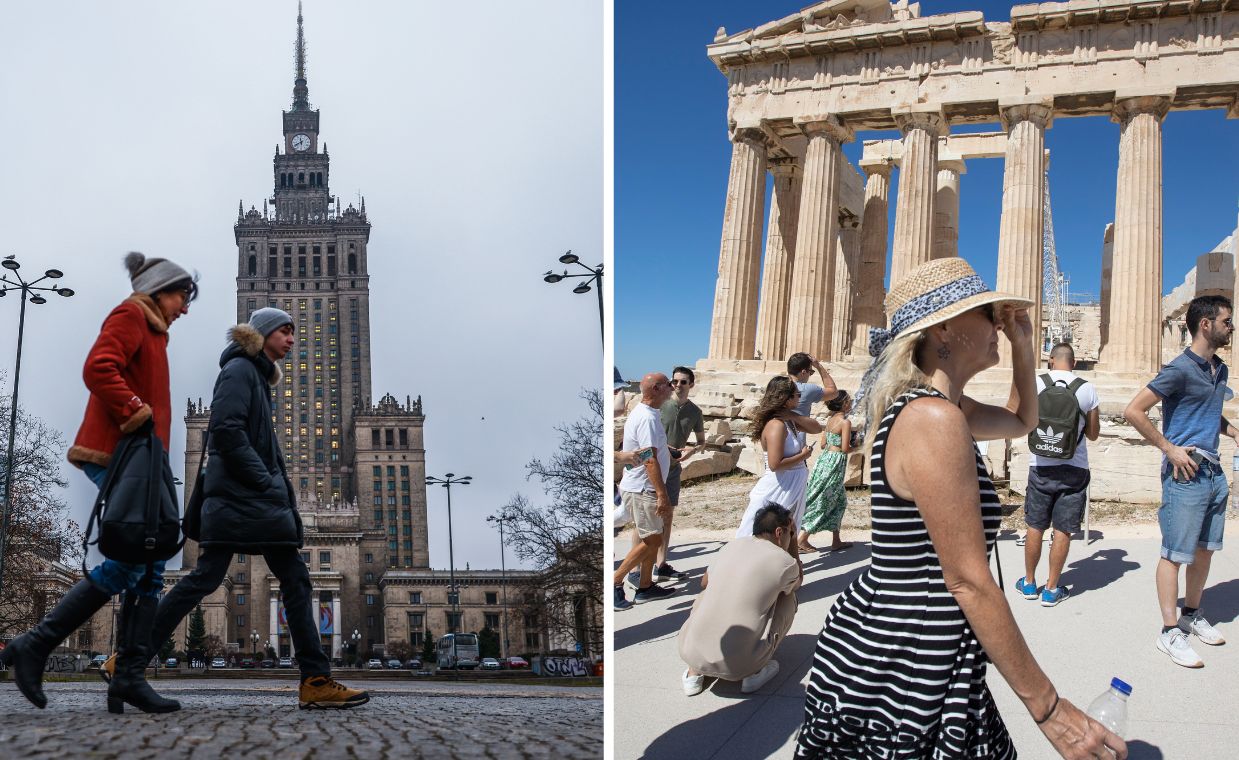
[503,573]
[29,292]
[453,596]
[356,637]
[593,274]
[254,637]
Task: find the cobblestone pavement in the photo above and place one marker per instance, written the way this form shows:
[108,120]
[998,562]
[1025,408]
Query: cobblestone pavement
[260,719]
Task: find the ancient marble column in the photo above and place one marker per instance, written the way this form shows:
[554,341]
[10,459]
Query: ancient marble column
[776,277]
[847,281]
[1023,212]
[810,313]
[918,180]
[946,209]
[1107,274]
[1134,337]
[869,310]
[733,330]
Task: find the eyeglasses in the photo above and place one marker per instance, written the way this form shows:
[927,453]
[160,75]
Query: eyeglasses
[680,382]
[1228,322]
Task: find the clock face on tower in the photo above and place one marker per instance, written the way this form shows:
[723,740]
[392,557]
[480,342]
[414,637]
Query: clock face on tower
[301,143]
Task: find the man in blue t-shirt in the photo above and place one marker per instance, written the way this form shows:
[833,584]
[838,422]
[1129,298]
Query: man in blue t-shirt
[1191,389]
[800,368]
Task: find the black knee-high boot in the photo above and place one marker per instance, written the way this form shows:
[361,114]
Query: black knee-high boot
[27,654]
[128,683]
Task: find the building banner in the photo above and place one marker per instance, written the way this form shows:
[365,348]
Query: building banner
[326,625]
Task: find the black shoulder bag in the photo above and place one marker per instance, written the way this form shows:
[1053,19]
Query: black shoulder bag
[136,510]
[191,523]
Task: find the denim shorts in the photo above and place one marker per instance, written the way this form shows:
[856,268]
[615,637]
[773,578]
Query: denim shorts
[1193,513]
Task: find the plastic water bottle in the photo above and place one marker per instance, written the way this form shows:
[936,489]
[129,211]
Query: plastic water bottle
[1110,709]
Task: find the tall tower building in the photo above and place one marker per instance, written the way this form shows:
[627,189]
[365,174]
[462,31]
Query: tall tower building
[358,467]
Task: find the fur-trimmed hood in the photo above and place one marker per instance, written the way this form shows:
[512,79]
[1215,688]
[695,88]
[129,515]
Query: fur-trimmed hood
[244,340]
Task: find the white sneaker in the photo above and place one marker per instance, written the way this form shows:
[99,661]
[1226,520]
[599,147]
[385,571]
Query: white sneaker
[1174,643]
[693,685]
[760,678]
[1202,628]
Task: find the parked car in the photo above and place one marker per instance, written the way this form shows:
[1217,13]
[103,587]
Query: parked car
[490,663]
[268,663]
[516,663]
[393,665]
[248,663]
[413,664]
[170,662]
[374,664]
[286,662]
[219,662]
[97,661]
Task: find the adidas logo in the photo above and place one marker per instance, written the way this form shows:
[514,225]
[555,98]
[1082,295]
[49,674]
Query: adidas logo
[1049,436]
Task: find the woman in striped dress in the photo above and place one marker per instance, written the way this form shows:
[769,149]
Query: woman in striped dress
[899,670]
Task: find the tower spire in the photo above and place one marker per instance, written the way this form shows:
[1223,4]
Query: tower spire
[301,93]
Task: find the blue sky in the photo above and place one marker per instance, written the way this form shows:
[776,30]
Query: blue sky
[672,158]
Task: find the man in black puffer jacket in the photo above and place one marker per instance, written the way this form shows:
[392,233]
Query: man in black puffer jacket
[248,503]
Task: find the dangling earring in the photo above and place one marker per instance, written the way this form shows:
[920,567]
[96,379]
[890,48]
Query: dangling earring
[944,353]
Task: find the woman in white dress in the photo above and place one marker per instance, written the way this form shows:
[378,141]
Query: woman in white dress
[781,434]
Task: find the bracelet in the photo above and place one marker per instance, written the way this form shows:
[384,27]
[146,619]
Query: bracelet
[1053,707]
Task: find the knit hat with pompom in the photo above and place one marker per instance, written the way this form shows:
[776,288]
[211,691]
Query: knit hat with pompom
[150,276]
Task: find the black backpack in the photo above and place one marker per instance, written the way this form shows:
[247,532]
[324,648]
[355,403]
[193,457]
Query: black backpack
[137,512]
[1058,425]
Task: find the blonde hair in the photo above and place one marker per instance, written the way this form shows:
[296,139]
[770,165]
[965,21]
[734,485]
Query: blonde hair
[894,373]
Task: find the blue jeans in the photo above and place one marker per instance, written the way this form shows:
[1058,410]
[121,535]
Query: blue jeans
[114,577]
[1193,512]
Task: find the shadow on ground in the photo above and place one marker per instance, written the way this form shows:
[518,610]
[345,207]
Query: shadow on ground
[693,739]
[1096,571]
[1221,602]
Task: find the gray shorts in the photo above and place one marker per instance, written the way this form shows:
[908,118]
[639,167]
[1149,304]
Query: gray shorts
[673,484]
[644,508]
[1056,495]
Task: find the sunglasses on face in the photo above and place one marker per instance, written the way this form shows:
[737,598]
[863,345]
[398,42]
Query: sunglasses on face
[1228,322]
[680,382]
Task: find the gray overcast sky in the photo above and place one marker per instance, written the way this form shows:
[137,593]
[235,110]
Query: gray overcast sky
[475,136]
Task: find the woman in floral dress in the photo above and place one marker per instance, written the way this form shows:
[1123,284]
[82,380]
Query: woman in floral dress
[826,499]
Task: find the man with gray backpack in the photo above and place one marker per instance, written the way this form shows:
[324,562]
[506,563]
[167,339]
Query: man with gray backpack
[1058,474]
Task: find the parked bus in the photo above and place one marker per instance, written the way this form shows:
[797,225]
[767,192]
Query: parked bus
[458,650]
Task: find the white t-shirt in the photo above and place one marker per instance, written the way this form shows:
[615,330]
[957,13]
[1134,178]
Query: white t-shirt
[1086,395]
[643,429]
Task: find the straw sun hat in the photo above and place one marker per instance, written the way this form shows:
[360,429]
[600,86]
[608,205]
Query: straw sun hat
[933,293]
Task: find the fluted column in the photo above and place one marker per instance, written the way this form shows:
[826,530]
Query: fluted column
[1134,339]
[847,280]
[1107,274]
[918,180]
[1020,244]
[946,209]
[810,312]
[871,290]
[776,276]
[733,330]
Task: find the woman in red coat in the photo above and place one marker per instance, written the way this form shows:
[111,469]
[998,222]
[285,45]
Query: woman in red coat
[126,373]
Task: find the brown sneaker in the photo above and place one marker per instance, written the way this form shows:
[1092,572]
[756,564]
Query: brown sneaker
[321,692]
[108,669]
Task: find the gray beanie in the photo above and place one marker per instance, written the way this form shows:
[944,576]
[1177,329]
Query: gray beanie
[269,319]
[150,276]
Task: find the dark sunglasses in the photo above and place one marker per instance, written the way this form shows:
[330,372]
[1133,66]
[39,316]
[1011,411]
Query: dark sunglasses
[680,382]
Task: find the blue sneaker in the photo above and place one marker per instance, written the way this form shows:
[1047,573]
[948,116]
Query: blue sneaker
[1029,590]
[634,579]
[1051,597]
[621,601]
